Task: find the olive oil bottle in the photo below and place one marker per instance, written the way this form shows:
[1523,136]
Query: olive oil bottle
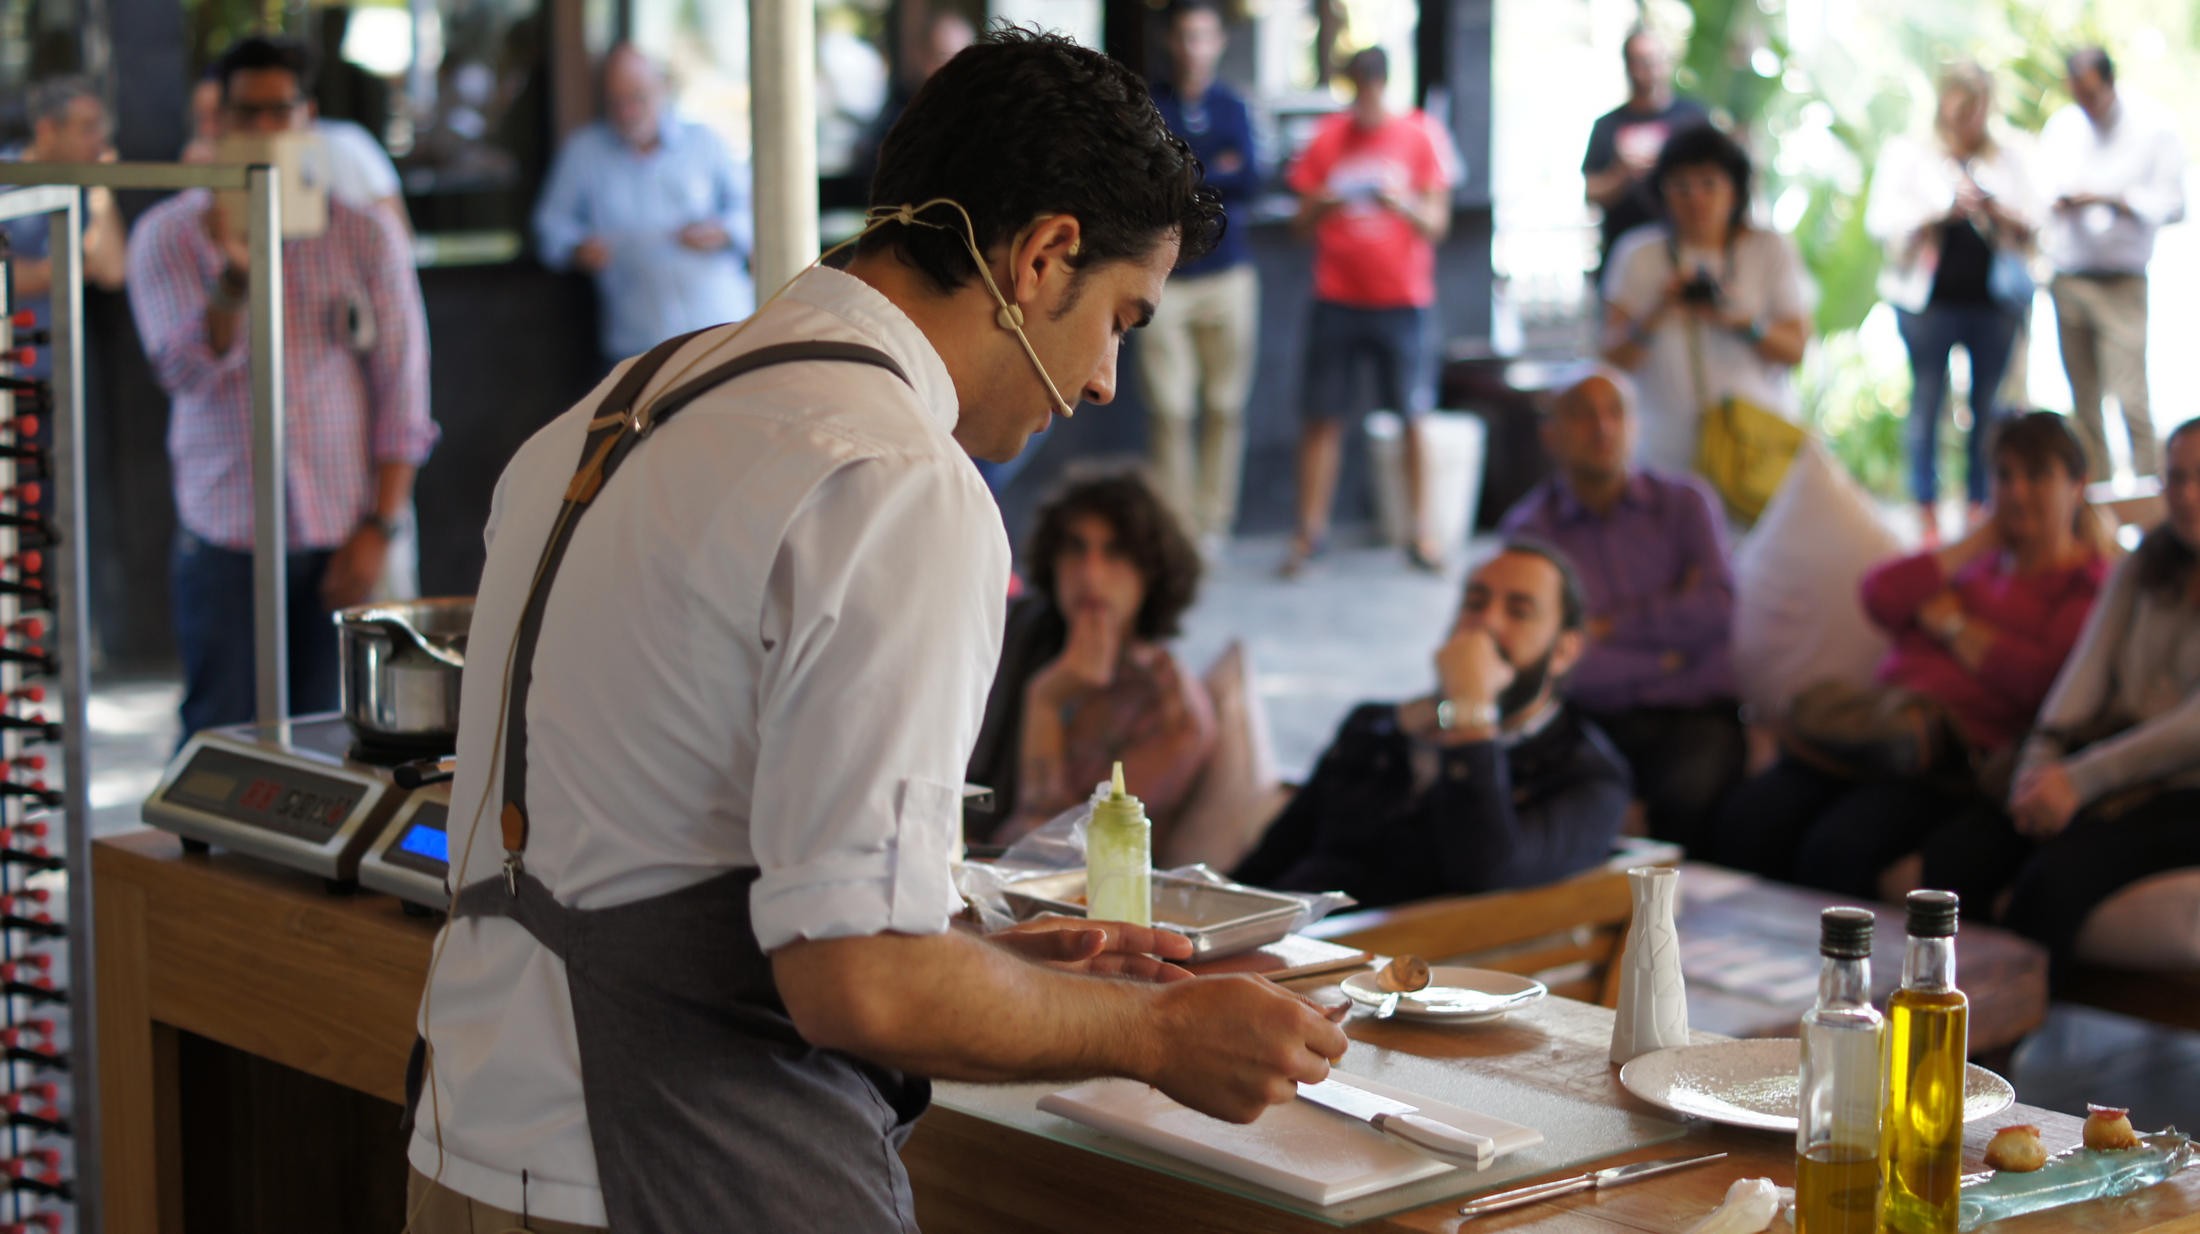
[1837,1128]
[1928,1023]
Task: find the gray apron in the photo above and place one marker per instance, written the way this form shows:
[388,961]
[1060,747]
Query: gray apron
[706,1108]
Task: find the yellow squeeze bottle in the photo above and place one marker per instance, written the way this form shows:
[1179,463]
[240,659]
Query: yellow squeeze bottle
[1119,858]
[1928,1021]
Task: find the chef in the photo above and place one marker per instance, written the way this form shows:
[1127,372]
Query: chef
[739,613]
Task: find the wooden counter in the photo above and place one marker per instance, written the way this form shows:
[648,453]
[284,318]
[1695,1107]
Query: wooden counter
[265,963]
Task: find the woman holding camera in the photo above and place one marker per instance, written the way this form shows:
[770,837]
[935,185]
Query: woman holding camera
[1956,214]
[1704,306]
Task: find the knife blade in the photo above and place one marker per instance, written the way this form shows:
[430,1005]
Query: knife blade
[1402,1122]
[1593,1180]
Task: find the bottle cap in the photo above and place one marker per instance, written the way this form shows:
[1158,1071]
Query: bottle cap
[1845,933]
[1113,802]
[1932,914]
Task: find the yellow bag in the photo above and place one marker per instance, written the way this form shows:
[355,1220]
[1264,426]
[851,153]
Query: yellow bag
[1742,449]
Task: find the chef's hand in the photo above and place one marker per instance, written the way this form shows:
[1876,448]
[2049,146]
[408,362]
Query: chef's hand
[590,256]
[1088,660]
[2044,801]
[1230,1047]
[1099,948]
[705,237]
[355,568]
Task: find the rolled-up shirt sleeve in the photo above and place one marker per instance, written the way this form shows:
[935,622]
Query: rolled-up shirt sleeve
[883,622]
[170,265]
[397,367]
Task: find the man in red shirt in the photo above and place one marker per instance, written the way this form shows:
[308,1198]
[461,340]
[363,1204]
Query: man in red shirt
[1374,192]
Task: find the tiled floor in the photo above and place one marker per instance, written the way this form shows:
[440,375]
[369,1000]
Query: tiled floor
[1359,625]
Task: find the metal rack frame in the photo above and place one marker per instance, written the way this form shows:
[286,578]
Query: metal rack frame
[53,189]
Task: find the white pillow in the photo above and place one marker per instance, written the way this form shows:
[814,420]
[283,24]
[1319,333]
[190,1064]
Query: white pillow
[1798,616]
[1238,793]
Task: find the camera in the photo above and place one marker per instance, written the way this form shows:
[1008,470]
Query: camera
[1701,288]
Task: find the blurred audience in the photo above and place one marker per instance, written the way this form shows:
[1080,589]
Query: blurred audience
[1957,214]
[357,376]
[1625,142]
[1086,677]
[1980,629]
[2115,173]
[1708,306]
[2109,783]
[1656,673]
[1374,190]
[1196,355]
[1492,781]
[69,124]
[655,208]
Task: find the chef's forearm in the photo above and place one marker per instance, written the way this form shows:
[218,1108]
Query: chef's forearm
[955,1007]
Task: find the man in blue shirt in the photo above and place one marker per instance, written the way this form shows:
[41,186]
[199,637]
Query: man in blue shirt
[69,124]
[655,208]
[1196,358]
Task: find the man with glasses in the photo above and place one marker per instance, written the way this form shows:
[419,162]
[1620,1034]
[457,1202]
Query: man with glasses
[355,369]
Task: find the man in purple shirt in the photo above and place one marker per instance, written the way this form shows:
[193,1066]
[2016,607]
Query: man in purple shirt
[1651,548]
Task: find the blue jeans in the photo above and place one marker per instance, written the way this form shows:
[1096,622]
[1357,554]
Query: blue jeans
[1987,334]
[213,609]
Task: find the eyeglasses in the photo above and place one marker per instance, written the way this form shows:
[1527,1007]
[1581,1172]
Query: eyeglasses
[270,111]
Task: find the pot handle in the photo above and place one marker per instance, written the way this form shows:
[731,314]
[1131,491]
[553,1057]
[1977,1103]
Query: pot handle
[390,620]
[423,772]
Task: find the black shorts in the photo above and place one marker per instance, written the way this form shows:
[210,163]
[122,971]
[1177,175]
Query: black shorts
[1394,345]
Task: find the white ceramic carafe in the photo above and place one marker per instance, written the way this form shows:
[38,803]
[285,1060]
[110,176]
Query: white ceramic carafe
[1653,1004]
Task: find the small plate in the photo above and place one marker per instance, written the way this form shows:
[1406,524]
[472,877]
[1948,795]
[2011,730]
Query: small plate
[1453,996]
[1754,1083]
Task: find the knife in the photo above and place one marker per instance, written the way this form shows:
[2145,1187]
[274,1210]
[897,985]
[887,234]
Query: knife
[1594,1180]
[1401,1122]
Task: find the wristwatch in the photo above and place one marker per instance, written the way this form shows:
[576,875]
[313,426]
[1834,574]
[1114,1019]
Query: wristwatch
[383,525]
[1451,716]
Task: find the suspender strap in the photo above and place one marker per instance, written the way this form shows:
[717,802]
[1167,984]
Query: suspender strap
[622,423]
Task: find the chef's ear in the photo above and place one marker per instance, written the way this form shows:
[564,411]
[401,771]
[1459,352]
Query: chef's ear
[1050,244]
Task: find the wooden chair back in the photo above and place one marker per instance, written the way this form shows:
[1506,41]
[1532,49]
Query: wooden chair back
[1569,935]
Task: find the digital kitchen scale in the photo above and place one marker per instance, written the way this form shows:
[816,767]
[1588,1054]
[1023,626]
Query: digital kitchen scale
[412,858]
[302,795]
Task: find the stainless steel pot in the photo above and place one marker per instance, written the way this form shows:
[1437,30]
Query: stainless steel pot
[401,668]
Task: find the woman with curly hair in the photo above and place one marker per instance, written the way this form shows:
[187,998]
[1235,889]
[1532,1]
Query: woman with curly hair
[1086,677]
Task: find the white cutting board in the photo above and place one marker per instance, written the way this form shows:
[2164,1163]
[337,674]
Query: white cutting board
[1299,1149]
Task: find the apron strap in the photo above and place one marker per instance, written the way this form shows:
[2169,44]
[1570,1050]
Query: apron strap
[621,424]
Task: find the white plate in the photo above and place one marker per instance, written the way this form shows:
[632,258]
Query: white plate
[1754,1084]
[1454,995]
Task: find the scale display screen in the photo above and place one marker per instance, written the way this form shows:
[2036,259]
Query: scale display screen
[278,797]
[425,844]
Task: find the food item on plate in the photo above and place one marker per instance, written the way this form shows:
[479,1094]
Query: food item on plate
[2016,1149]
[1403,975]
[2108,1128]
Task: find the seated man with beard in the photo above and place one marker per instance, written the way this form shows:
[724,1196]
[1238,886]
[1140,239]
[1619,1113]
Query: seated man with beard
[1492,781]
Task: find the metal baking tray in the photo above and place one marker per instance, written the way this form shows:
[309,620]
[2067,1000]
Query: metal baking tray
[1219,920]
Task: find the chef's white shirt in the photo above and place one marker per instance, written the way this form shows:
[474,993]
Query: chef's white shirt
[769,646]
[2138,158]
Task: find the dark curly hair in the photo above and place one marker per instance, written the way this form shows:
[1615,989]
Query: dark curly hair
[1020,125]
[1705,145]
[256,52]
[1144,527]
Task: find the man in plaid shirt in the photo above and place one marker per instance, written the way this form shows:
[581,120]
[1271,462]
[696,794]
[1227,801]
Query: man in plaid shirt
[355,381]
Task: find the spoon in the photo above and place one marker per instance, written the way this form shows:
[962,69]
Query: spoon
[1402,976]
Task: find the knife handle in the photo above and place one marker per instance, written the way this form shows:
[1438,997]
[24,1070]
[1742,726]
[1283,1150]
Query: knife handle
[1439,1139]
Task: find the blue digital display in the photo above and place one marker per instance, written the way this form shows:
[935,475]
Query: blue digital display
[430,842]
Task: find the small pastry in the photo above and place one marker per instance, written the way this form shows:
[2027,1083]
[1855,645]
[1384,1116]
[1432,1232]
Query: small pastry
[2016,1149]
[2108,1128]
[1403,975]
